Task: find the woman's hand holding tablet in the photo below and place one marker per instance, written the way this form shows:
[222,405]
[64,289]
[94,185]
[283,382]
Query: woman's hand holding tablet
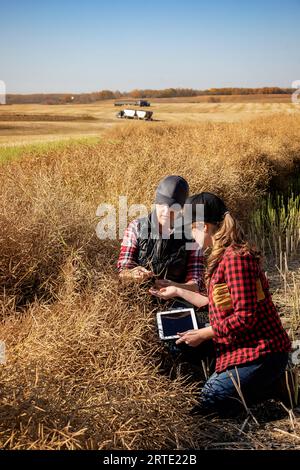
[195,337]
[173,321]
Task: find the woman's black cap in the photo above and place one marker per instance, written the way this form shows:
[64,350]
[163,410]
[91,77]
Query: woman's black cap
[171,190]
[214,208]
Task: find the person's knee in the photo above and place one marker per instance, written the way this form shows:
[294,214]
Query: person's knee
[221,404]
[220,395]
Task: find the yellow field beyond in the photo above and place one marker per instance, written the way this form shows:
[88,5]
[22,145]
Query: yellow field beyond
[21,124]
[84,366]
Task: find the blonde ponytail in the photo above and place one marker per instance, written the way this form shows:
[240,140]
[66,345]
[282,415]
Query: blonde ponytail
[228,233]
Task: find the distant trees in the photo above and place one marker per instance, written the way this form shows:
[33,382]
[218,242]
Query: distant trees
[188,92]
[107,95]
[66,98]
[247,91]
[165,93]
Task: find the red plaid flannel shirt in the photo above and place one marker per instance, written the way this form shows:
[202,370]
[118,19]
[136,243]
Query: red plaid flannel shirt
[129,255]
[250,328]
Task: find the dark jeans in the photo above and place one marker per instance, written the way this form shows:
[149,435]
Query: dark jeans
[256,382]
[194,356]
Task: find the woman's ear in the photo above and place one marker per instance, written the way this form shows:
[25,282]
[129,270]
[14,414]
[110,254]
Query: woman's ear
[205,228]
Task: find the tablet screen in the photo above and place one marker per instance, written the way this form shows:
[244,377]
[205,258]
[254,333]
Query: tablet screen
[176,322]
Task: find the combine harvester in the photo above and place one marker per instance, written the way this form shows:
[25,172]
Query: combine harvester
[135,114]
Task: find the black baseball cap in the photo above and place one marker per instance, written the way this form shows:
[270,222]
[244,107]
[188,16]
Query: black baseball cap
[214,208]
[172,190]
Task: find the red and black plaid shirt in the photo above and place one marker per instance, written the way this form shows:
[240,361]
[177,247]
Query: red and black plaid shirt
[249,328]
[128,257]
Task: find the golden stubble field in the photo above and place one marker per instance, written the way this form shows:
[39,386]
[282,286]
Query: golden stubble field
[82,356]
[21,124]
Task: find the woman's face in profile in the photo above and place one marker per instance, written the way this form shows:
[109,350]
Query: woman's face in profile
[202,234]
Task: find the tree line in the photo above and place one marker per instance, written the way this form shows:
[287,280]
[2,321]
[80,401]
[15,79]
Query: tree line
[82,98]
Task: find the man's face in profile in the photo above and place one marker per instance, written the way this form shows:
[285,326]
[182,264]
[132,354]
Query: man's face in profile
[166,215]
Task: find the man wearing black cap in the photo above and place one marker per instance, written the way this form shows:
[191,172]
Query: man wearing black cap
[153,247]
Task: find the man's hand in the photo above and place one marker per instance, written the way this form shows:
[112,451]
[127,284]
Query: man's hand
[195,337]
[137,274]
[164,293]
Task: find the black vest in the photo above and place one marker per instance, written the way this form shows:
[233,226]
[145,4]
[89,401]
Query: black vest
[167,258]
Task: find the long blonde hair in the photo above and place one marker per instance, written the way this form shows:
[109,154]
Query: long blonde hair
[228,233]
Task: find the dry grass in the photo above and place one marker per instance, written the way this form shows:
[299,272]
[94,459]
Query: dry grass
[83,359]
[81,373]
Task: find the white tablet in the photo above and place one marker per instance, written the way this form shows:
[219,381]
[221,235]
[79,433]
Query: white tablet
[175,321]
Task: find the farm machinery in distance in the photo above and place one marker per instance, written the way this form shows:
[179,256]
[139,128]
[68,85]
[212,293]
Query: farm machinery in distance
[135,114]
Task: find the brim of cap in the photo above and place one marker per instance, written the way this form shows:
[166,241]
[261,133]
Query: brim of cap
[191,220]
[161,199]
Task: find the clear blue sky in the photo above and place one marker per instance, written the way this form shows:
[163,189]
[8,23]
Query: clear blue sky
[81,46]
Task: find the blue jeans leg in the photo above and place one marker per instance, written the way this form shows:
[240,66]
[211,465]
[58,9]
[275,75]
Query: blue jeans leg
[256,379]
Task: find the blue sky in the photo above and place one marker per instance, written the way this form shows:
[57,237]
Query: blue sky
[82,46]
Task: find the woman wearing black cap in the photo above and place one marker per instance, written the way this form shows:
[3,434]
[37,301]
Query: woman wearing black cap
[250,342]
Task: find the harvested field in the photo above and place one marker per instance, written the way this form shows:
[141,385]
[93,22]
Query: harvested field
[83,360]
